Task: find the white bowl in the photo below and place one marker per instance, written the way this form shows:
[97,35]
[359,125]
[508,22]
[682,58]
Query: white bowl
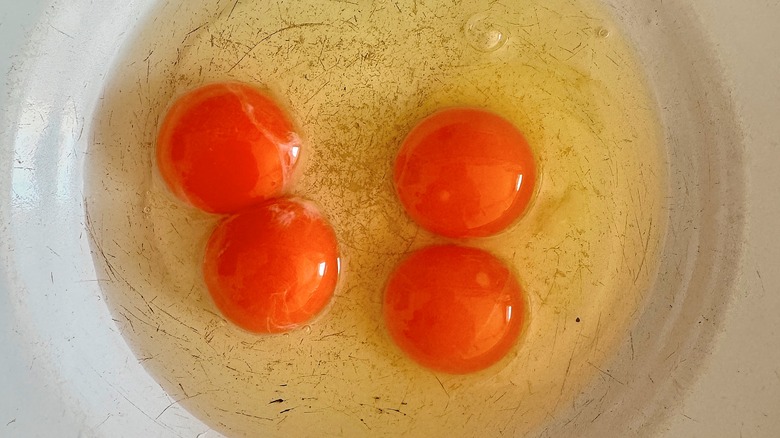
[701,361]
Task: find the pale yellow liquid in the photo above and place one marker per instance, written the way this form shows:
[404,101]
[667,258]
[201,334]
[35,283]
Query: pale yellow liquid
[356,76]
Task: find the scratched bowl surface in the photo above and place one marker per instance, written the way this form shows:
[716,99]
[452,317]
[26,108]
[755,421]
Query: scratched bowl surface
[626,286]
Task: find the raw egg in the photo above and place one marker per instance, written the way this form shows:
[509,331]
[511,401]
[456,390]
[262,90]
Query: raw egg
[272,267]
[225,146]
[453,309]
[465,172]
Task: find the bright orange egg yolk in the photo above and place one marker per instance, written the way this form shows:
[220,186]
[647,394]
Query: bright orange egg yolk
[453,309]
[272,267]
[225,146]
[465,172]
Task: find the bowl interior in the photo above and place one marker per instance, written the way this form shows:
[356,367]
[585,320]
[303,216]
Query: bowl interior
[52,130]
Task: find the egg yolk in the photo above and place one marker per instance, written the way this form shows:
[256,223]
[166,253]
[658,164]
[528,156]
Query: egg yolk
[272,267]
[453,309]
[465,172]
[225,146]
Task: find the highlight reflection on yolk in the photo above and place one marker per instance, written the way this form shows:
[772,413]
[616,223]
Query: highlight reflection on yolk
[226,146]
[465,172]
[453,309]
[272,267]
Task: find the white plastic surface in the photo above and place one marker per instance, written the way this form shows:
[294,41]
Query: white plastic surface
[64,370]
[738,392]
